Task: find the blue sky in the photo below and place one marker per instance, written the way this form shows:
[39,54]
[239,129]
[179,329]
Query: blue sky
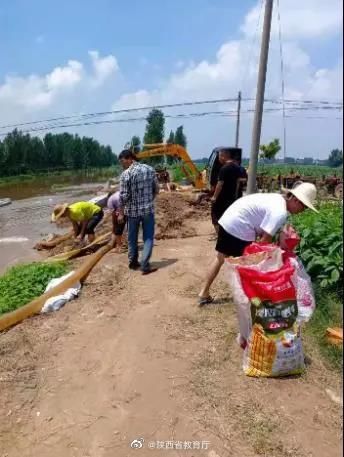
[163,52]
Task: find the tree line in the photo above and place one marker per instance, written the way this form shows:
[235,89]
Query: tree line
[21,153]
[269,151]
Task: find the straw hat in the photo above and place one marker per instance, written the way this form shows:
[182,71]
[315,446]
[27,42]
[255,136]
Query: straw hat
[58,211]
[306,193]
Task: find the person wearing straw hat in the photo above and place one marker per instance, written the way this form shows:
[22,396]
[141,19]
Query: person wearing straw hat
[256,216]
[84,216]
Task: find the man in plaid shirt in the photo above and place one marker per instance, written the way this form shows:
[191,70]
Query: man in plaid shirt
[138,189]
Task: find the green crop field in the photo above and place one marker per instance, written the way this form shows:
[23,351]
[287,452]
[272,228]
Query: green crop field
[321,251]
[303,170]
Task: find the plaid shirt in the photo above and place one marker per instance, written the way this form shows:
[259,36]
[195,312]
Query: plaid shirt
[138,188]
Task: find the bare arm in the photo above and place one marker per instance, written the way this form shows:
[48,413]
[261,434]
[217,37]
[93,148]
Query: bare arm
[83,229]
[155,187]
[265,238]
[217,192]
[75,228]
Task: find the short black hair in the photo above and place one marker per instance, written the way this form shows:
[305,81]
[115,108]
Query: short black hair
[127,154]
[228,153]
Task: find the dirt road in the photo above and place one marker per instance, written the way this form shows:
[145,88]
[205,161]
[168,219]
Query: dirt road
[135,358]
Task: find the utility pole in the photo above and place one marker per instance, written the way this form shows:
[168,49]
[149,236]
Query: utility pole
[238,121]
[257,122]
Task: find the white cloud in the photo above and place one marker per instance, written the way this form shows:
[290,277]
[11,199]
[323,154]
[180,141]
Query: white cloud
[103,67]
[38,92]
[65,77]
[306,19]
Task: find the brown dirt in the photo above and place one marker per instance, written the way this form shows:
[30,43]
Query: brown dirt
[173,214]
[135,357]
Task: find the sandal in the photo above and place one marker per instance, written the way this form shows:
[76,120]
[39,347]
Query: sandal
[205,300]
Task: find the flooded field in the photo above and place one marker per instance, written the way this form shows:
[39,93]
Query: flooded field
[27,219]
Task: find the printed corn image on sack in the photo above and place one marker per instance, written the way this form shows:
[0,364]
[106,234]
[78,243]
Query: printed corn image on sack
[264,288]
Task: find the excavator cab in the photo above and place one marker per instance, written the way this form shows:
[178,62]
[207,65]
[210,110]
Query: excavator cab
[213,166]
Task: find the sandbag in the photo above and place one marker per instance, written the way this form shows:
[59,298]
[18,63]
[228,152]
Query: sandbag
[273,295]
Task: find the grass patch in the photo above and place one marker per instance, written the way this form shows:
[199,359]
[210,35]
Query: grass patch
[328,313]
[21,284]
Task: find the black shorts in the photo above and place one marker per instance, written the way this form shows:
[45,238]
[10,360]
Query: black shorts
[92,223]
[217,211]
[229,245]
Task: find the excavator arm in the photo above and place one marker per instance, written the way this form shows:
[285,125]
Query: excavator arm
[178,152]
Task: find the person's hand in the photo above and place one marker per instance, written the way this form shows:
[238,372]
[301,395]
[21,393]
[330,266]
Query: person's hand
[120,218]
[79,241]
[213,199]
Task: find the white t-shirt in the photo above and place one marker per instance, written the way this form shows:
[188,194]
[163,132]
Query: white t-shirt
[250,216]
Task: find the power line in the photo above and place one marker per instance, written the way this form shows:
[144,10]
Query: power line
[77,117]
[125,110]
[173,116]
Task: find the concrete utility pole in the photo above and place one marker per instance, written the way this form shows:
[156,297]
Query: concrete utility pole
[238,121]
[257,122]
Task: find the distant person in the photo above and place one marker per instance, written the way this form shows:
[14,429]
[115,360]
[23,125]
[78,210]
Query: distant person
[251,217]
[164,179]
[114,205]
[226,190]
[84,216]
[138,189]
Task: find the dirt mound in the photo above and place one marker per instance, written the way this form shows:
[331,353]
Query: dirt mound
[175,214]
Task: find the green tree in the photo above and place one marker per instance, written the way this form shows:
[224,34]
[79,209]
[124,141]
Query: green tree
[170,138]
[35,155]
[179,137]
[270,150]
[22,153]
[335,158]
[135,144]
[155,127]
[2,158]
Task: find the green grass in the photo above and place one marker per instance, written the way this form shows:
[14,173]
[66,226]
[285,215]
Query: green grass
[21,284]
[321,251]
[328,313]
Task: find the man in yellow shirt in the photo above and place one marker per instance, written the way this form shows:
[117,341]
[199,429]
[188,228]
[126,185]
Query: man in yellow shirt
[85,216]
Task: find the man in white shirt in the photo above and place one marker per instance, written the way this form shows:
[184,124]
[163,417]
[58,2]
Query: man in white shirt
[251,217]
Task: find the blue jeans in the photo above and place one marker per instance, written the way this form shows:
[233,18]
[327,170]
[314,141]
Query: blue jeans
[148,223]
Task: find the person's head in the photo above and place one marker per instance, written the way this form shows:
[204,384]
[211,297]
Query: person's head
[225,155]
[301,197]
[126,158]
[59,212]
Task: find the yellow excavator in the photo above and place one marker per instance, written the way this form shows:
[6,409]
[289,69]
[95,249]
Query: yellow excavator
[177,152]
[205,180]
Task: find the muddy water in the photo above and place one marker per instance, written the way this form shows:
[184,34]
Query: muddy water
[27,219]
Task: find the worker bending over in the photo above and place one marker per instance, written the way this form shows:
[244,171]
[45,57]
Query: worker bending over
[118,226]
[256,216]
[84,216]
